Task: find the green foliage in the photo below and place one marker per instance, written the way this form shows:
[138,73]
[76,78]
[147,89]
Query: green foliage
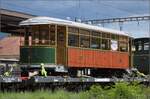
[120,90]
[126,91]
[96,92]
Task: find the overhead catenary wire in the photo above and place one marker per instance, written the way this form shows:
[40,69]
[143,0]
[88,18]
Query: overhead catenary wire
[79,4]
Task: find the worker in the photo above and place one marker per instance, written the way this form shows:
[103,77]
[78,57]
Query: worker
[43,71]
[9,72]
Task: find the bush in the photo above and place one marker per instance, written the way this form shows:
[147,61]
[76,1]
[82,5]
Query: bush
[96,92]
[118,91]
[124,90]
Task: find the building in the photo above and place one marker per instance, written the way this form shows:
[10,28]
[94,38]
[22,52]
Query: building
[9,45]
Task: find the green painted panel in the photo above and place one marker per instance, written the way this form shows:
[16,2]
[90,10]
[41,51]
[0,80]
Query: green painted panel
[141,63]
[37,55]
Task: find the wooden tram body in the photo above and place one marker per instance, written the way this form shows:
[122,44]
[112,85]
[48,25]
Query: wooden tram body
[74,47]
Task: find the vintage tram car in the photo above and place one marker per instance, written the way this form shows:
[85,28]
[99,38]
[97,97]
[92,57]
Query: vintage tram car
[141,54]
[73,48]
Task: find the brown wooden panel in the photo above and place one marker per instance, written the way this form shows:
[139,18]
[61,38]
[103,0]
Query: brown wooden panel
[61,45]
[97,59]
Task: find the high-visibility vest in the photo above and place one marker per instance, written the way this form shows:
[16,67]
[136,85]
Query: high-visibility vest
[43,71]
[7,73]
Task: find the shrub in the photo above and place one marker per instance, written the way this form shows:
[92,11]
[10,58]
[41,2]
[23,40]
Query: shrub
[96,92]
[126,91]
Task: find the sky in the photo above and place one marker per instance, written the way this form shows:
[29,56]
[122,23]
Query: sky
[88,9]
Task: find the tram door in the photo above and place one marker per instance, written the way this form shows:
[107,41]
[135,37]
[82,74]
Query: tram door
[61,45]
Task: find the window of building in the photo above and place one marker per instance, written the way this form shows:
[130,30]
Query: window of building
[84,41]
[73,40]
[95,43]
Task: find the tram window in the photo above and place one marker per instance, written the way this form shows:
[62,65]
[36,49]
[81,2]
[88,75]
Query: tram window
[84,32]
[114,37]
[146,46]
[60,36]
[44,35]
[105,35]
[52,35]
[105,44]
[85,41]
[123,47]
[139,46]
[133,48]
[73,30]
[73,40]
[35,35]
[95,43]
[96,34]
[123,38]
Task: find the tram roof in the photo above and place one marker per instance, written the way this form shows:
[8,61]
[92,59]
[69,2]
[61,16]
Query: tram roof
[50,20]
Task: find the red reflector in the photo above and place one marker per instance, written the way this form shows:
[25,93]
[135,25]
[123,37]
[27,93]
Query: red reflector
[24,78]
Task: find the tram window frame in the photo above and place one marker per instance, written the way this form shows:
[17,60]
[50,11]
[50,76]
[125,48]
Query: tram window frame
[139,46]
[105,46]
[95,42]
[146,46]
[105,35]
[75,41]
[52,35]
[84,44]
[114,37]
[96,34]
[123,38]
[121,46]
[35,34]
[38,39]
[73,30]
[44,35]
[84,32]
